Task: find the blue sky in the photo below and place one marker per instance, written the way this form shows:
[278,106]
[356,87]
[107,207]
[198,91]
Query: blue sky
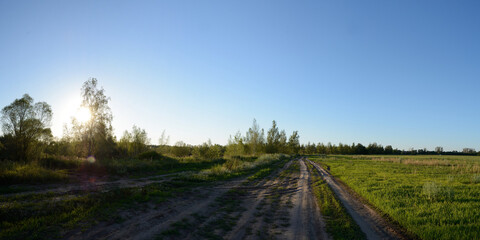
[404,73]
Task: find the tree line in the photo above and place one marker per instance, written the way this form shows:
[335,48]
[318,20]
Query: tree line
[27,136]
[374,149]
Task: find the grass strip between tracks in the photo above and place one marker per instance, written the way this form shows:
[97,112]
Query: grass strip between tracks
[339,224]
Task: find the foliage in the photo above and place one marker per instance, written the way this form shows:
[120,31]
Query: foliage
[181,149]
[49,214]
[255,139]
[294,143]
[254,142]
[236,146]
[236,165]
[134,143]
[59,163]
[25,127]
[273,139]
[340,224]
[33,173]
[95,135]
[372,149]
[208,151]
[152,155]
[432,197]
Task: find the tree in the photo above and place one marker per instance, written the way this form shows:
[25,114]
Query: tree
[389,149]
[140,140]
[135,142]
[360,149]
[468,150]
[255,138]
[439,150]
[124,143]
[282,142]
[95,134]
[208,151]
[273,138]
[26,126]
[294,143]
[181,149]
[236,145]
[164,139]
[163,142]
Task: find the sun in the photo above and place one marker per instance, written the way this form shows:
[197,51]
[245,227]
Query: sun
[83,115]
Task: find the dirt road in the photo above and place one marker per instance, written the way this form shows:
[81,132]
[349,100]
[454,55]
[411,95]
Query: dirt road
[371,223]
[279,206]
[306,221]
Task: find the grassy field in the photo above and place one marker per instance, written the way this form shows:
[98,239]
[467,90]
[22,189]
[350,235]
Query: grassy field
[433,197]
[46,216]
[340,224]
[61,170]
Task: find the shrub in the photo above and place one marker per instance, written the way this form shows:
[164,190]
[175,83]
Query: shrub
[14,173]
[153,155]
[59,163]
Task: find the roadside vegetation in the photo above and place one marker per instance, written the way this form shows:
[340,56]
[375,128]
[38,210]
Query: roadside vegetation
[432,197]
[227,209]
[45,216]
[340,225]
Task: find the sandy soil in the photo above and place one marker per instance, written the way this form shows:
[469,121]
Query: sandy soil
[276,207]
[306,221]
[148,223]
[280,206]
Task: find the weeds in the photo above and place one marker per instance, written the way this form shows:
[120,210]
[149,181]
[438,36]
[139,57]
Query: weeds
[44,216]
[432,197]
[14,173]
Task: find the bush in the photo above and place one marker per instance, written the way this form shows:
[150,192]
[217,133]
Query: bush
[153,155]
[15,173]
[58,163]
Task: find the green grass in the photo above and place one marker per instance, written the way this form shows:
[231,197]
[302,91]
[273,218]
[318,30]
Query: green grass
[432,197]
[339,223]
[16,173]
[55,170]
[235,168]
[228,206]
[44,216]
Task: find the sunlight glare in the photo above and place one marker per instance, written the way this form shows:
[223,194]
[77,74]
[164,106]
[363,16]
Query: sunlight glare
[83,115]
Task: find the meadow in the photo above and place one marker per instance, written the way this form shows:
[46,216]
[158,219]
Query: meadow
[50,214]
[432,197]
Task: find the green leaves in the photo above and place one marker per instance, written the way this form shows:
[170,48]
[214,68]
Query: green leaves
[26,125]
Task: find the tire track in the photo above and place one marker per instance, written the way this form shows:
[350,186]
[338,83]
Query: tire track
[148,223]
[371,223]
[305,219]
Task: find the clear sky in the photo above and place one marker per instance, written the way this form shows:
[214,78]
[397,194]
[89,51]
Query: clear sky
[404,73]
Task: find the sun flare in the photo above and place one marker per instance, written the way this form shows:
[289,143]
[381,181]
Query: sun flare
[83,115]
